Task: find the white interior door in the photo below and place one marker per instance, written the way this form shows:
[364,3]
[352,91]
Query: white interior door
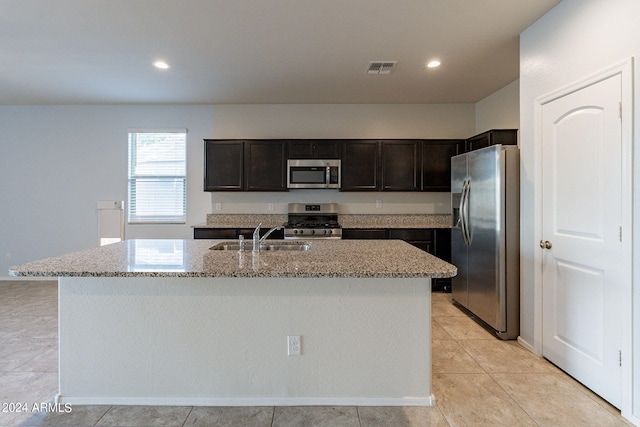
[582,216]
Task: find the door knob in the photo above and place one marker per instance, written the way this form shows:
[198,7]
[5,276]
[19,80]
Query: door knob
[545,244]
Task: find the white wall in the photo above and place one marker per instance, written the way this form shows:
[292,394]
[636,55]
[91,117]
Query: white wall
[58,161]
[500,110]
[574,40]
[344,121]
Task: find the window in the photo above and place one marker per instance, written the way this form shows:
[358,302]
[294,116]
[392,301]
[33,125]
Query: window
[157,176]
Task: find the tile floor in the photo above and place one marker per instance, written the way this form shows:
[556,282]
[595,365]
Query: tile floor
[477,380]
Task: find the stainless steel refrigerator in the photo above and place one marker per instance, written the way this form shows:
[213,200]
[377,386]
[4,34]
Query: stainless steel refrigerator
[485,244]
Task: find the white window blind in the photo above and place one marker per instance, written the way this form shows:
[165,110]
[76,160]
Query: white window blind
[157,177]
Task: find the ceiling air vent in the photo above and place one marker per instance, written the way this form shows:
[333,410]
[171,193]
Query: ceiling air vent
[381,67]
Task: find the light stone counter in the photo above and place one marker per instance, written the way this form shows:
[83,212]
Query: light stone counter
[345,220]
[170,322]
[395,221]
[193,258]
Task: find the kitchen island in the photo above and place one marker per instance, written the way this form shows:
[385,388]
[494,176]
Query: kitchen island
[171,322]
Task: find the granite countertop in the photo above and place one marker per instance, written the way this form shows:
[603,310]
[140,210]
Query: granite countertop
[193,258]
[345,220]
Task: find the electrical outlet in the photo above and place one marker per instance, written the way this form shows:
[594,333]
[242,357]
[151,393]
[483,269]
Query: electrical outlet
[378,203]
[270,207]
[294,346]
[218,206]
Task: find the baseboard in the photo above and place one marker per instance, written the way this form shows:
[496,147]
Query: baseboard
[527,346]
[248,401]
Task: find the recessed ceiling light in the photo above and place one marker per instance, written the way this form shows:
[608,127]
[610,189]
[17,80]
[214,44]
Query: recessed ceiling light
[161,64]
[433,64]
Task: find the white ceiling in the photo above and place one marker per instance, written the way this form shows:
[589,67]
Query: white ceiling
[259,51]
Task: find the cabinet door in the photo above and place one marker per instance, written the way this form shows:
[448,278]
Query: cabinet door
[326,149]
[223,165]
[436,163]
[401,165]
[215,233]
[360,166]
[301,149]
[478,142]
[265,164]
[364,233]
[493,137]
[314,149]
[443,243]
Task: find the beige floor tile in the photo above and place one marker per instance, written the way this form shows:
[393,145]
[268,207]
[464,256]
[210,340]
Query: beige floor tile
[401,416]
[438,332]
[18,351]
[41,327]
[315,416]
[606,405]
[462,328]
[260,416]
[554,400]
[12,418]
[145,416]
[450,357]
[476,400]
[505,356]
[445,308]
[441,296]
[74,415]
[46,361]
[29,387]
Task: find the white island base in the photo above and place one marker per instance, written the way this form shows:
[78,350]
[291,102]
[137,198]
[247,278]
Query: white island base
[221,341]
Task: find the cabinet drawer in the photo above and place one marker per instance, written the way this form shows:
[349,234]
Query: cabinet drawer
[215,233]
[420,234]
[364,233]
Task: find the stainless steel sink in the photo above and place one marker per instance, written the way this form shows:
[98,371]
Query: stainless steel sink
[285,245]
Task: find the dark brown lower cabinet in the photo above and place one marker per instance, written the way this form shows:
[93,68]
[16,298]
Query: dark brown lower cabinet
[364,233]
[419,237]
[233,233]
[436,241]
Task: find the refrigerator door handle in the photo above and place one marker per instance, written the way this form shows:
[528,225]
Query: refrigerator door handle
[464,213]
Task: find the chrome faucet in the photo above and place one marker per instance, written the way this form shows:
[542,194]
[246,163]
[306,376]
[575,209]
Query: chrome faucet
[257,240]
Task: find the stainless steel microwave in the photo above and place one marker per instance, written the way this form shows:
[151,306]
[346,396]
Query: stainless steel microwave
[313,173]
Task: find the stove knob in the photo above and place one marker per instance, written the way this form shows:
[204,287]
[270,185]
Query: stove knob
[313,231]
[326,231]
[301,231]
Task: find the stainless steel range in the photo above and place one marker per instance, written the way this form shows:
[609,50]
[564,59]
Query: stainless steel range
[312,221]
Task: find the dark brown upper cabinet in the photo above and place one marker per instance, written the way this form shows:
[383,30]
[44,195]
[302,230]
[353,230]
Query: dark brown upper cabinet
[493,137]
[253,165]
[360,166]
[265,165]
[367,165]
[400,165]
[436,163]
[314,149]
[223,165]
